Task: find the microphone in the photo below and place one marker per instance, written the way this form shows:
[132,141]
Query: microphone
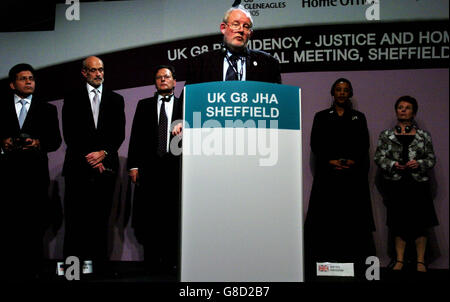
[243,53]
[223,49]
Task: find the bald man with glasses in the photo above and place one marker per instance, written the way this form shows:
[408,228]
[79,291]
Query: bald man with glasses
[94,128]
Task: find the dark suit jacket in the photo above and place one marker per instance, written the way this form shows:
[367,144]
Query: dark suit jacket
[208,67]
[142,152]
[156,173]
[24,175]
[41,123]
[82,137]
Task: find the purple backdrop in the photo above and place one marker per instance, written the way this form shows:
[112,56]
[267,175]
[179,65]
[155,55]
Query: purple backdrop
[374,94]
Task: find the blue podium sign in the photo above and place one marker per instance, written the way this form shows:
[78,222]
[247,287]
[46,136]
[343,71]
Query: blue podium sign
[242,183]
[244,101]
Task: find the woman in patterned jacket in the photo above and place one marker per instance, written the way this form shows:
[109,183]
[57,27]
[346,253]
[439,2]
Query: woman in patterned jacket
[405,155]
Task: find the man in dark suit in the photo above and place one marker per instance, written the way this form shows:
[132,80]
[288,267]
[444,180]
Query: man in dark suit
[234,61]
[155,170]
[94,128]
[29,129]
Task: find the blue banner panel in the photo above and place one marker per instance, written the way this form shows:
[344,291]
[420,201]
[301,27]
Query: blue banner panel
[237,104]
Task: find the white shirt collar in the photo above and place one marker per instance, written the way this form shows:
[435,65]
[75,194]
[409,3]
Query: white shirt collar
[160,97]
[27,99]
[90,87]
[241,66]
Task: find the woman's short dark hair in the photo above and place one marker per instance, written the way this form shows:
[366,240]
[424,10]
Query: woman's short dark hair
[17,69]
[345,81]
[170,67]
[408,99]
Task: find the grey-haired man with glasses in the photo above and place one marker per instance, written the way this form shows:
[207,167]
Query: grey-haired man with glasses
[234,61]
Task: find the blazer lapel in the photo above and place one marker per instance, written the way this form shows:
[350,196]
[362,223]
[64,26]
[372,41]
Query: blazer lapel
[417,139]
[215,66]
[101,109]
[393,138]
[250,66]
[176,114]
[154,126]
[12,112]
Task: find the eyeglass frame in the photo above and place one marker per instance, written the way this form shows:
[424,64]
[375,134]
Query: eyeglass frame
[163,76]
[94,70]
[238,26]
[26,79]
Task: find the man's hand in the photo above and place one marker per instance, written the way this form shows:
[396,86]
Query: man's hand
[350,162]
[134,175]
[31,143]
[178,129]
[100,168]
[7,144]
[96,157]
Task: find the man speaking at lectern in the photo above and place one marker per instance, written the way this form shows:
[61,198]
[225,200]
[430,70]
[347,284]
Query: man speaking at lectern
[234,61]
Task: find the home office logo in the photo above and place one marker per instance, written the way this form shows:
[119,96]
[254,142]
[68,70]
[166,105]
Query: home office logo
[331,3]
[372,11]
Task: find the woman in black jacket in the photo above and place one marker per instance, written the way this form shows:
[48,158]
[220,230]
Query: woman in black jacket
[339,221]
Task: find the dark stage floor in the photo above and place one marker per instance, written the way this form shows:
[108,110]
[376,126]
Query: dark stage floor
[129,278]
[131,271]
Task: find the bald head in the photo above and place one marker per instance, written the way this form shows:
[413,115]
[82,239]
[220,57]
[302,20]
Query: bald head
[93,71]
[91,60]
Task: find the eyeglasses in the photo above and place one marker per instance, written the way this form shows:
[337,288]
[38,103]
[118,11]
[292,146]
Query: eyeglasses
[237,26]
[163,77]
[30,78]
[94,70]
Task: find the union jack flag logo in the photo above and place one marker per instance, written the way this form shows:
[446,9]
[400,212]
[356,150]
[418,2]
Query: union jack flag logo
[323,268]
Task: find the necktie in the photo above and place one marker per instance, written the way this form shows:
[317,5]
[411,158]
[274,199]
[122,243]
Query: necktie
[232,74]
[95,107]
[23,113]
[162,127]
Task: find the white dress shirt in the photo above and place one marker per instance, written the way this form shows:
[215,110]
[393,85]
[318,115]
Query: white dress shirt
[18,104]
[168,107]
[241,67]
